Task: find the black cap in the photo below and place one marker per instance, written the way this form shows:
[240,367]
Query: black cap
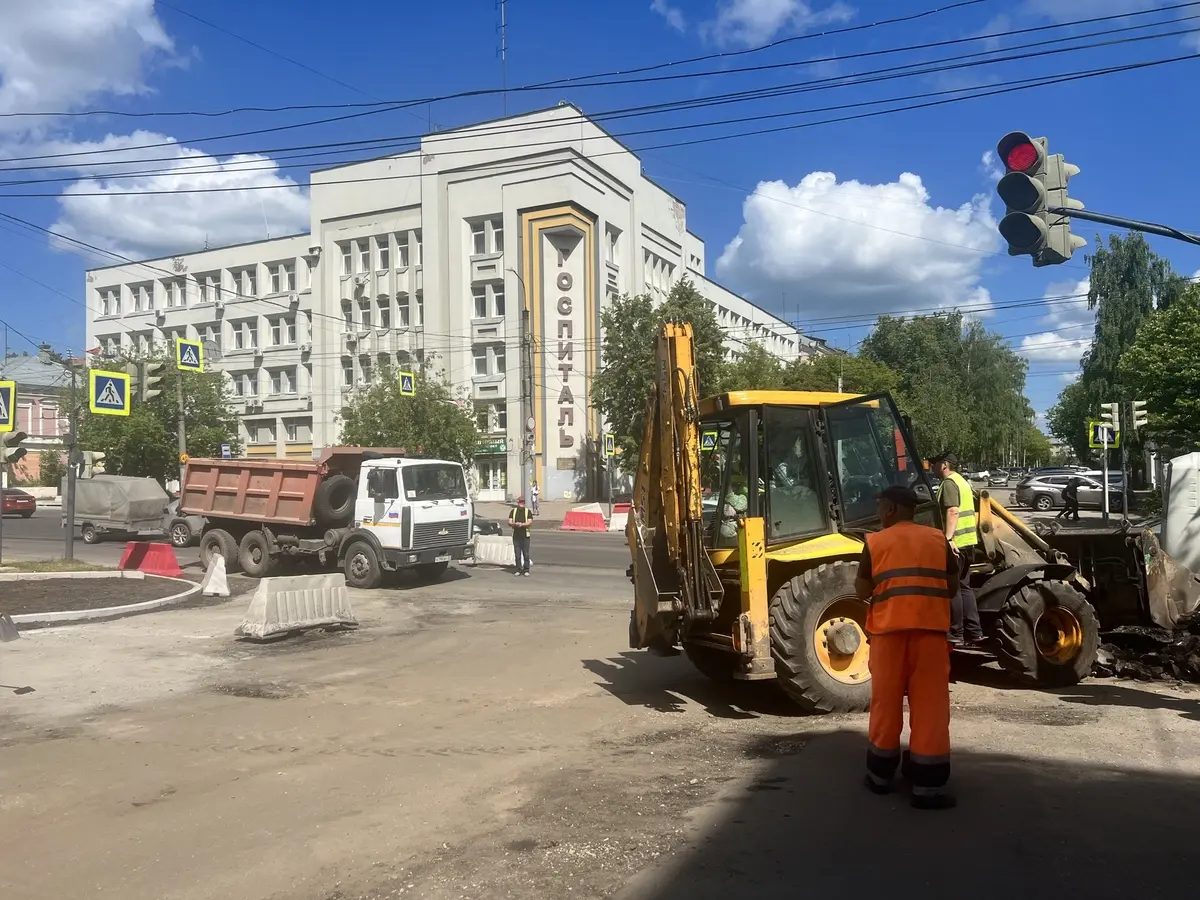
[901,496]
[945,456]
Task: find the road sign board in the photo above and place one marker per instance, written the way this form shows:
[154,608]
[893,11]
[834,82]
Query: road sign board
[225,452]
[708,441]
[408,384]
[1096,431]
[189,355]
[183,458]
[108,392]
[610,445]
[8,405]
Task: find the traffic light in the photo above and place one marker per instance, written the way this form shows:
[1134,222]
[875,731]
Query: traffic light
[11,451]
[1035,182]
[149,379]
[92,463]
[1139,414]
[1111,414]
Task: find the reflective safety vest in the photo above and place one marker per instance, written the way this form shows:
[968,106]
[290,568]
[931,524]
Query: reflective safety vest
[965,533]
[912,586]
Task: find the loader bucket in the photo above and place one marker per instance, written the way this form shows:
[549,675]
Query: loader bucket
[1172,588]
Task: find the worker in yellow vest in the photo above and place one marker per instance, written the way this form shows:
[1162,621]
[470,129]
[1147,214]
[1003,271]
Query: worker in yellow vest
[957,501]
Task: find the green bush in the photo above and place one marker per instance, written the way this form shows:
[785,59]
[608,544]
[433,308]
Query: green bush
[52,468]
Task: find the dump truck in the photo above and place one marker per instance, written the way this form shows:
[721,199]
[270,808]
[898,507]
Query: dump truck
[749,516]
[119,506]
[367,510]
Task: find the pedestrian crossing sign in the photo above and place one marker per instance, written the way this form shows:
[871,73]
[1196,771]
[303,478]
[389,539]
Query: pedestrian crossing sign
[1096,435]
[610,445]
[189,355]
[8,405]
[408,384]
[708,441]
[108,393]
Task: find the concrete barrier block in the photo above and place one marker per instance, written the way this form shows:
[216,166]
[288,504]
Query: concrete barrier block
[296,603]
[494,550]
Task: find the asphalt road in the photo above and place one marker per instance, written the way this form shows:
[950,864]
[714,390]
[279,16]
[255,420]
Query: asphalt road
[41,537]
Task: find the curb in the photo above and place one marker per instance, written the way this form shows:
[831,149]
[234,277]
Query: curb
[46,576]
[69,616]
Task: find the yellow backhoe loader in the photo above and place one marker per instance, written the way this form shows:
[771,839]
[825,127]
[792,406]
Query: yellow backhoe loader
[749,510]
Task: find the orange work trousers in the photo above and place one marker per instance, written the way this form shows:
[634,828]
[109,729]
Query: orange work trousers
[916,663]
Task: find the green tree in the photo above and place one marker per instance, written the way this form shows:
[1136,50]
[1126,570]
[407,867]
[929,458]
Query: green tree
[1163,368]
[630,326]
[858,375]
[754,369]
[51,468]
[1067,419]
[145,443]
[432,422]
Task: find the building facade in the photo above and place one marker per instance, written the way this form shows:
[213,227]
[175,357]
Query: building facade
[485,241]
[42,388]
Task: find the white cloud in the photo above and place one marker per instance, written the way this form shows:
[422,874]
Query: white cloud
[859,249]
[1068,323]
[672,14]
[69,54]
[751,23]
[59,54]
[133,223]
[990,166]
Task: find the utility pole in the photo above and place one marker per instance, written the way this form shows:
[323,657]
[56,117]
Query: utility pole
[527,422]
[181,427]
[72,453]
[504,53]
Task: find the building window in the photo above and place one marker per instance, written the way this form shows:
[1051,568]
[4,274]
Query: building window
[347,258]
[142,297]
[261,432]
[297,429]
[283,277]
[479,294]
[210,287]
[402,251]
[347,372]
[499,354]
[402,310]
[283,381]
[419,310]
[144,342]
[283,331]
[111,345]
[364,366]
[478,238]
[383,362]
[364,314]
[364,255]
[385,312]
[487,236]
[416,247]
[245,384]
[383,249]
[245,334]
[491,417]
[481,360]
[110,302]
[497,301]
[211,336]
[174,292]
[497,236]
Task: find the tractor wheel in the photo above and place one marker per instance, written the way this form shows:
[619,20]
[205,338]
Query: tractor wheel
[818,640]
[1048,635]
[711,662]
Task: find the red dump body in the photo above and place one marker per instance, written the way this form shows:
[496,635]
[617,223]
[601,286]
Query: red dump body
[270,491]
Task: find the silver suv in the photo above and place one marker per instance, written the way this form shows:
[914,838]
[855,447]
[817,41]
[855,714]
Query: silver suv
[1044,492]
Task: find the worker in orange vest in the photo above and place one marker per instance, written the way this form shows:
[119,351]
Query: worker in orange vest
[907,574]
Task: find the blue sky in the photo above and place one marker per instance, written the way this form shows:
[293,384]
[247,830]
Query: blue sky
[830,223]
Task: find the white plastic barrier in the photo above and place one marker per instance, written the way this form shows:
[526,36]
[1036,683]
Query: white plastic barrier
[618,521]
[216,581]
[295,603]
[494,550]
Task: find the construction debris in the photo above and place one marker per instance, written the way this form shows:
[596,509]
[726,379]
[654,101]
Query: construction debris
[1152,654]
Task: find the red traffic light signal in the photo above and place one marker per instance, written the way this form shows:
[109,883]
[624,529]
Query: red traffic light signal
[1020,153]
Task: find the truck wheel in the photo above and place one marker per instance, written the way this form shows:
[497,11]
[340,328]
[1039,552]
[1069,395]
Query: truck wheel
[88,532]
[333,502]
[219,542]
[806,613]
[1048,635]
[254,554]
[432,571]
[362,566]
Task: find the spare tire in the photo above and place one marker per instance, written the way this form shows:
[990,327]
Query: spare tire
[333,504]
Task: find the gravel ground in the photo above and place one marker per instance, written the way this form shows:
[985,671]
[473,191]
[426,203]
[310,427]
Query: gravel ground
[57,594]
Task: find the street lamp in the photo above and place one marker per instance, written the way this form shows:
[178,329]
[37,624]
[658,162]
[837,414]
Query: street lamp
[527,437]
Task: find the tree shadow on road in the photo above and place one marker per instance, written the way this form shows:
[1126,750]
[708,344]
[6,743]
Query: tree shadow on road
[667,683]
[1024,828]
[1099,693]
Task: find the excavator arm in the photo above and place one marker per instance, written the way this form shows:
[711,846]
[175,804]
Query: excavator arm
[674,579]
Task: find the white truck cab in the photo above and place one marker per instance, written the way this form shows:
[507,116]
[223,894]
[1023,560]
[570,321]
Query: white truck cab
[408,513]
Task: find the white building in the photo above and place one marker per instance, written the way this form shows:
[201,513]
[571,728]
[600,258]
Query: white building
[438,251]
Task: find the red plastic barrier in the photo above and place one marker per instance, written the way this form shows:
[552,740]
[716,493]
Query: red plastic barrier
[153,559]
[619,508]
[586,518]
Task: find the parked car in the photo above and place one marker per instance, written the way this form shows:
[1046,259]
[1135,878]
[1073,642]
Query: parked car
[19,503]
[484,526]
[1044,492]
[998,479]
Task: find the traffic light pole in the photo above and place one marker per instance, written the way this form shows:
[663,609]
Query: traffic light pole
[182,427]
[1132,224]
[1104,433]
[69,499]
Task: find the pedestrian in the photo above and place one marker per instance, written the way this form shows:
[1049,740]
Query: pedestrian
[519,518]
[907,574]
[1070,495]
[957,500]
[534,493]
